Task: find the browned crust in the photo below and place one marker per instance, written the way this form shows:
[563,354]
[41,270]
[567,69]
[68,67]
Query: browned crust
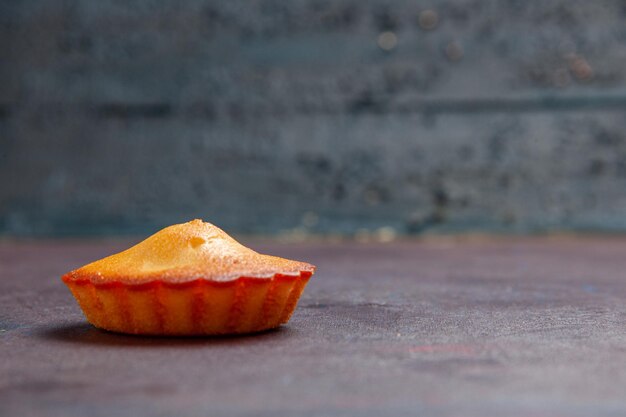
[184,253]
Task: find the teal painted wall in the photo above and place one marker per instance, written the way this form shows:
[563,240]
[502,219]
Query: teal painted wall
[312,116]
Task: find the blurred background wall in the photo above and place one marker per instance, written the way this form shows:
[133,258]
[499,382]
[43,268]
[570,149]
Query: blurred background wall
[312,116]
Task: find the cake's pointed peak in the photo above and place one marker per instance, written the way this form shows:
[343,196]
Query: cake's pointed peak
[185,252]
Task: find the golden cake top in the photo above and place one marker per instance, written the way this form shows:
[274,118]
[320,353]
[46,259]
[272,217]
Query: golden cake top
[186,252]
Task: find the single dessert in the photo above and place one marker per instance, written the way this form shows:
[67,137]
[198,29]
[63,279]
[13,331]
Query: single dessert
[189,279]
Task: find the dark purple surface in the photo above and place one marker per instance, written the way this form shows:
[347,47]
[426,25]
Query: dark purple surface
[500,327]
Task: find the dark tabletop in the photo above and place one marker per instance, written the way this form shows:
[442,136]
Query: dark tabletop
[441,327]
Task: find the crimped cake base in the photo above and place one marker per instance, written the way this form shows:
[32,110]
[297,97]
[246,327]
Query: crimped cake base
[199,307]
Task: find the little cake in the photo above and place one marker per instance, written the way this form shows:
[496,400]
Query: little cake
[189,279]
